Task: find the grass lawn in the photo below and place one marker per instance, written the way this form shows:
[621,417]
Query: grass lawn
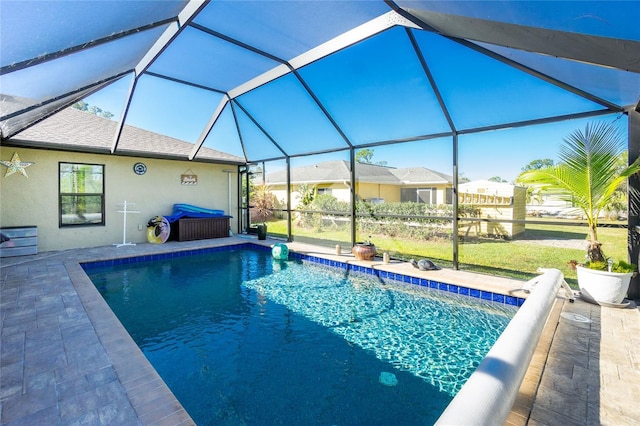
[519,258]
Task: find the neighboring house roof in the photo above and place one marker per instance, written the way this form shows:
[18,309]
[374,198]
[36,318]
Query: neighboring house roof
[415,175]
[75,130]
[338,171]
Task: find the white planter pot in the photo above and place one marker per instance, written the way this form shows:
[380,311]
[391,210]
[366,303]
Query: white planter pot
[603,286]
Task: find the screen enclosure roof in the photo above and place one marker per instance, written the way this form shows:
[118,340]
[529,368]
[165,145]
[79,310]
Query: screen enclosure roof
[261,80]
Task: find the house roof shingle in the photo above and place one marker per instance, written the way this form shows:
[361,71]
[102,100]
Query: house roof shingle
[72,129]
[338,171]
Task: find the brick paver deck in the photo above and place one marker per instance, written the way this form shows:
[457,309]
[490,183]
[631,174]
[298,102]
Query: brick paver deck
[592,373]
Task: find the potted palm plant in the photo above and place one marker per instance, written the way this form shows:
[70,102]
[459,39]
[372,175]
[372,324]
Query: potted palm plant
[263,203]
[589,176]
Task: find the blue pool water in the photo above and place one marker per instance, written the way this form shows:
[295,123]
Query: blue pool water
[241,338]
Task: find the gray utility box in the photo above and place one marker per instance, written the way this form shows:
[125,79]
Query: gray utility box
[23,241]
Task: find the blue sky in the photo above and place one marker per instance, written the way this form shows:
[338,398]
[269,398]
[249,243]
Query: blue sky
[377,91]
[500,153]
[481,156]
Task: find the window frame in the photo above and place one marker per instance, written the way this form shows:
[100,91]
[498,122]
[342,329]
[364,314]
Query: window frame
[415,192]
[61,223]
[448,195]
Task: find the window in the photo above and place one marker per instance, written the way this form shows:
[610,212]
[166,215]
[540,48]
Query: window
[81,194]
[425,195]
[323,191]
[449,196]
[419,195]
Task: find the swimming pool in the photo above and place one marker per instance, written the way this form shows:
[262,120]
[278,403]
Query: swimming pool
[241,338]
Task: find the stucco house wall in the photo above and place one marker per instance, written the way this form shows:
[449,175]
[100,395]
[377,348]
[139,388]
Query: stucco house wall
[341,192]
[338,190]
[368,191]
[34,200]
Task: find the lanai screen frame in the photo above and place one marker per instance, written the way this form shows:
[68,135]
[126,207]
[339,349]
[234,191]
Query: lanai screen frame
[614,53]
[410,21]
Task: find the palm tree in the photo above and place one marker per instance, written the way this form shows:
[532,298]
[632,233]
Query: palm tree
[263,202]
[588,175]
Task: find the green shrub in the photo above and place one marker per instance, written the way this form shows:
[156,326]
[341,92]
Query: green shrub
[620,267]
[408,220]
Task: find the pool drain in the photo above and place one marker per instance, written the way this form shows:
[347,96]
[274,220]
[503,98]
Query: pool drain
[388,379]
[575,317]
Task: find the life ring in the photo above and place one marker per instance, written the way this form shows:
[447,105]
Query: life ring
[158,230]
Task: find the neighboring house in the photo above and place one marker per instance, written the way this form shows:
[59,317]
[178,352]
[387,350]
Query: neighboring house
[495,200]
[373,183]
[414,184]
[70,215]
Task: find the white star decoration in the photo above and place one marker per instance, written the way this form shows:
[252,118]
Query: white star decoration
[16,166]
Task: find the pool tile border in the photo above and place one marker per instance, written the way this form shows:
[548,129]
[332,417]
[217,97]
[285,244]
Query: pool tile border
[384,275]
[422,282]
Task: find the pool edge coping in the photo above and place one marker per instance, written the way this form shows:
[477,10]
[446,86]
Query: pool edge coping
[148,394]
[523,405]
[491,391]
